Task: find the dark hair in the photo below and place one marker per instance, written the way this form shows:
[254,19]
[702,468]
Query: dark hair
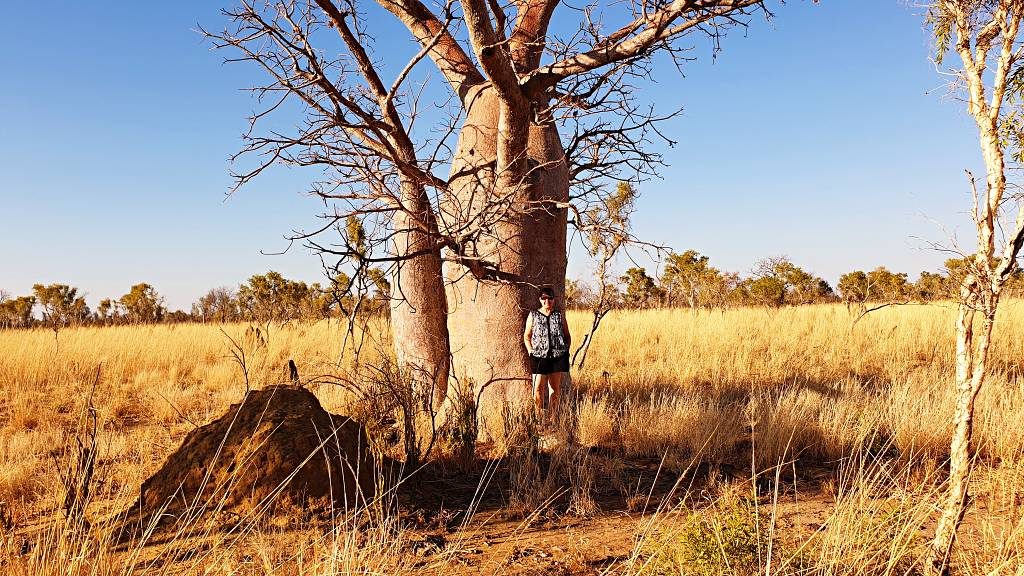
[547,291]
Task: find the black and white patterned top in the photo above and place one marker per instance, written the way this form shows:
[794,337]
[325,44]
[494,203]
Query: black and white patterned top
[548,340]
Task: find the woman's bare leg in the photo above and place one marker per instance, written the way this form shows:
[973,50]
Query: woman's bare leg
[540,394]
[555,397]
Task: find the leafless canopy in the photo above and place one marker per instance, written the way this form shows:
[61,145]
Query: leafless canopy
[371,122]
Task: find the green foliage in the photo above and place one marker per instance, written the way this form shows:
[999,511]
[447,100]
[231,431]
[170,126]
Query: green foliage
[641,290]
[888,286]
[61,305]
[854,287]
[355,235]
[619,206]
[690,281]
[577,294]
[271,296]
[797,285]
[1011,125]
[337,296]
[16,312]
[142,304]
[320,302]
[217,305]
[606,223]
[730,537]
[940,19]
[956,270]
[106,310]
[881,285]
[931,286]
[766,291]
[380,282]
[263,297]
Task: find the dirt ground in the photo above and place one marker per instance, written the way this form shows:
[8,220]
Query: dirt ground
[552,539]
[500,537]
[456,521]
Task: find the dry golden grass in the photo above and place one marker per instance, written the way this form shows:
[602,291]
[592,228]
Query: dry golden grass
[805,383]
[812,345]
[595,422]
[683,426]
[811,380]
[156,383]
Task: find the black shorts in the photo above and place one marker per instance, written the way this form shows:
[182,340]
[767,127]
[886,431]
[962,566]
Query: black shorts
[549,365]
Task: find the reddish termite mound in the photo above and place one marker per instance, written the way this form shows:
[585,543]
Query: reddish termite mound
[278,446]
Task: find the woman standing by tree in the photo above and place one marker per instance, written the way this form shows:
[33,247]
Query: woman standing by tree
[547,339]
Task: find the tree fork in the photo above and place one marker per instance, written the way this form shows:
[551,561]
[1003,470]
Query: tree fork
[528,243]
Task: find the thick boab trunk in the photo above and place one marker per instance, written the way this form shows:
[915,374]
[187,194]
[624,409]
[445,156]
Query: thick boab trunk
[419,311]
[527,247]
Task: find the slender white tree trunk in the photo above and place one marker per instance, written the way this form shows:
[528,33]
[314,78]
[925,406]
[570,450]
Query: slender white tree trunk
[978,27]
[971,365]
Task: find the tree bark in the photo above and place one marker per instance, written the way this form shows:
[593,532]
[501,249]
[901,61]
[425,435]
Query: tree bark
[525,248]
[971,366]
[981,289]
[419,311]
[509,172]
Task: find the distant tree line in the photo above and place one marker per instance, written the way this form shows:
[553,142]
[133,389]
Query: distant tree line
[689,281]
[262,298]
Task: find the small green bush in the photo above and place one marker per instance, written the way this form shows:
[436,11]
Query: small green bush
[730,537]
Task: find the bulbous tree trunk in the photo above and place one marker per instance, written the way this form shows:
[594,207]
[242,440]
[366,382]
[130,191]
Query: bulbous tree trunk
[419,311]
[526,246]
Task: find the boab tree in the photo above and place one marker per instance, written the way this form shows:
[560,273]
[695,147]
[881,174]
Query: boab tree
[483,191]
[985,36]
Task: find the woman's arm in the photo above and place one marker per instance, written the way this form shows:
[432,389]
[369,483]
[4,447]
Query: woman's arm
[528,334]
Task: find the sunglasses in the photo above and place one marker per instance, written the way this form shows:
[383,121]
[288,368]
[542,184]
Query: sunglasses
[546,298]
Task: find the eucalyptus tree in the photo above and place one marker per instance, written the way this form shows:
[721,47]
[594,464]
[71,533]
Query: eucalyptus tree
[61,305]
[985,35]
[690,280]
[16,312]
[142,304]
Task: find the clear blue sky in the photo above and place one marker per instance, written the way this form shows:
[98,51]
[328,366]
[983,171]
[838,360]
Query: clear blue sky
[824,135]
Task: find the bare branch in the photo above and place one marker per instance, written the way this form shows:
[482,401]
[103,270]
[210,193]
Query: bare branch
[446,52]
[491,51]
[638,38]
